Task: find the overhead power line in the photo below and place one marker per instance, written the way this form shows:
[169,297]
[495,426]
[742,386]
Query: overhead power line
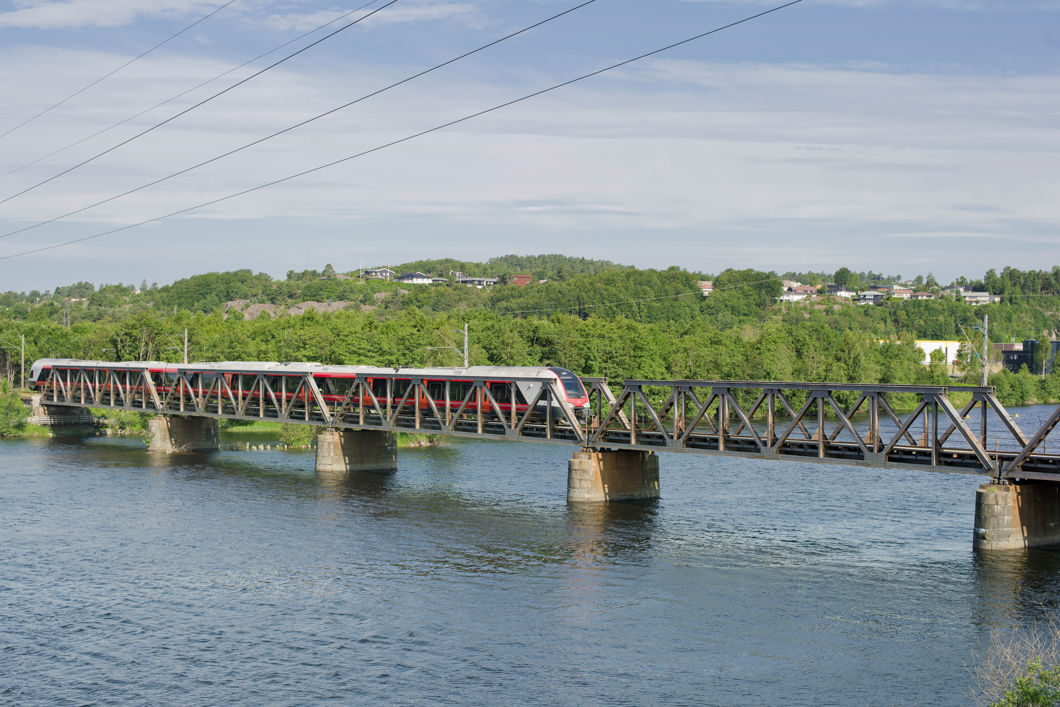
[194,88]
[405,139]
[136,58]
[288,129]
[200,103]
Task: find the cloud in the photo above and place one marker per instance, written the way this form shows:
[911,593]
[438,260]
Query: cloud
[760,165]
[465,14]
[38,14]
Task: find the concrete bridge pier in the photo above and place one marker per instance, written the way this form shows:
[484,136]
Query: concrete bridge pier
[595,475]
[172,433]
[356,450]
[1017,516]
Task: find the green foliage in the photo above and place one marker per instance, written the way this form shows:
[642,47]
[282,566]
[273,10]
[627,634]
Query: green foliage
[13,414]
[225,424]
[592,316]
[1016,388]
[124,422]
[298,435]
[1038,686]
[847,280]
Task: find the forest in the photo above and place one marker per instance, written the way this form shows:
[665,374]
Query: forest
[593,317]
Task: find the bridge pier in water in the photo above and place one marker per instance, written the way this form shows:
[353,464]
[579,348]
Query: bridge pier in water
[173,433]
[341,451]
[1017,516]
[595,475]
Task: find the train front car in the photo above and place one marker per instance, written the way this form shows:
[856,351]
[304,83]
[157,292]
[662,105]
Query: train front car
[573,391]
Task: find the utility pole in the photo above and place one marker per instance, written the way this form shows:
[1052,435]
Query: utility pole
[22,373]
[465,344]
[185,345]
[986,343]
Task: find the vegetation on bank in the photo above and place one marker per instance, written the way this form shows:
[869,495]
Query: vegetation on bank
[593,317]
[1020,667]
[13,414]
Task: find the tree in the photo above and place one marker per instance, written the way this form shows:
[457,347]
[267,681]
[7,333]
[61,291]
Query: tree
[847,279]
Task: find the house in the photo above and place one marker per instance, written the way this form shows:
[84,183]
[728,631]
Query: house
[949,349]
[520,280]
[921,296]
[478,282]
[379,274]
[414,278]
[439,280]
[874,297]
[900,292]
[1014,356]
[977,298]
[838,291]
[706,287]
[796,292]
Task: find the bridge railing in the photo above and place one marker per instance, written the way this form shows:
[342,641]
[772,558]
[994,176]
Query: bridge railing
[874,424]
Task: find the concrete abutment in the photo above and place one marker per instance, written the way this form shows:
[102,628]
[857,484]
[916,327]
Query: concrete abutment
[1017,516]
[171,433]
[612,475]
[356,450]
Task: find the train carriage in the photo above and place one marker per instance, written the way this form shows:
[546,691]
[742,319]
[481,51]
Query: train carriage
[504,388]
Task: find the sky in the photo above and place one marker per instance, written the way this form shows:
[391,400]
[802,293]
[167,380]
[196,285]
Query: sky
[899,136]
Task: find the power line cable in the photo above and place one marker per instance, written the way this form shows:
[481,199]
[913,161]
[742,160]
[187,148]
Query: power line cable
[405,139]
[304,122]
[200,103]
[81,90]
[190,90]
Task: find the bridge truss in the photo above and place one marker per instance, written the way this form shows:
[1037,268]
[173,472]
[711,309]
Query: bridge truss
[941,428]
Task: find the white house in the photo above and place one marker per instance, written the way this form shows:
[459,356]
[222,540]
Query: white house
[378,274]
[414,278]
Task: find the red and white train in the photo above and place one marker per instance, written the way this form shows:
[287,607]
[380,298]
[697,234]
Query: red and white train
[334,382]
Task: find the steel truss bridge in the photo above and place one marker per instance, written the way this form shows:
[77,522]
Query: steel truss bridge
[939,428]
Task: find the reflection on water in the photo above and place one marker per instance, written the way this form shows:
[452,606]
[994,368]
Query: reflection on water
[1017,586]
[603,532]
[465,577]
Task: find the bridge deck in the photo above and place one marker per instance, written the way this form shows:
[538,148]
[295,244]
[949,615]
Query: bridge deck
[821,422]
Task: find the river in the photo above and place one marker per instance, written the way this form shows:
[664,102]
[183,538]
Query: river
[464,578]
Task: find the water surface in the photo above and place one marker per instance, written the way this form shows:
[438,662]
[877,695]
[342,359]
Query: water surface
[466,578]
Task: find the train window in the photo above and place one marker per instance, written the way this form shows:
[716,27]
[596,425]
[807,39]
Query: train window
[436,389]
[379,387]
[500,392]
[338,386]
[458,390]
[571,384]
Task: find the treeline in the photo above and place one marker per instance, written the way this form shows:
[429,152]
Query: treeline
[594,317]
[617,347]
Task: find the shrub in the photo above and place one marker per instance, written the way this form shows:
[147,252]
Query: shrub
[13,414]
[1020,667]
[297,435]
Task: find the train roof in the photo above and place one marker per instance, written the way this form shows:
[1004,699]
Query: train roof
[309,367]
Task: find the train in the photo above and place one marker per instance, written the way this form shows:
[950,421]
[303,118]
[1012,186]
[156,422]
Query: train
[335,382]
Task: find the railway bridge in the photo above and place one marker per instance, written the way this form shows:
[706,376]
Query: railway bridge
[617,438]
